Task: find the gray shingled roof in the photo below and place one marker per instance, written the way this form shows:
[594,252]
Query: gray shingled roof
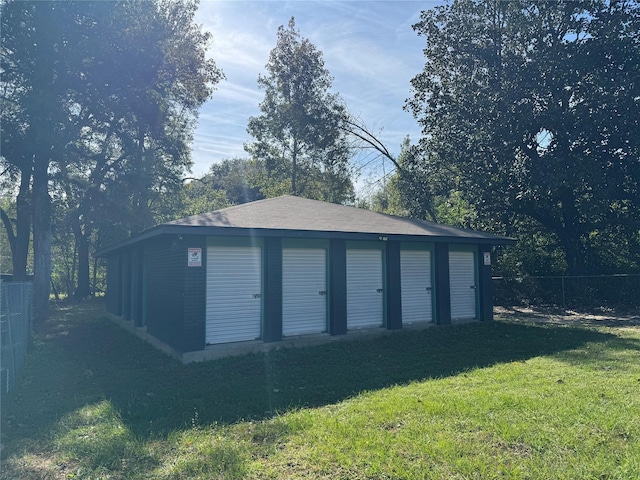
[302,214]
[310,218]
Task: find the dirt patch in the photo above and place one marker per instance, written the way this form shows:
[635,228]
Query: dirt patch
[559,316]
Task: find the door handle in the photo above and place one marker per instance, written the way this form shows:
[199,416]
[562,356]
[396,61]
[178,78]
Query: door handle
[428,289]
[322,292]
[379,290]
[256,295]
[472,286]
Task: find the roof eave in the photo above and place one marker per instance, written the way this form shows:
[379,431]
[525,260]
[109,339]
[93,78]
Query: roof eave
[199,230]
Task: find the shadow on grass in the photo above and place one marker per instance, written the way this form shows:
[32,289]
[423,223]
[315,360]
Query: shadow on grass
[79,358]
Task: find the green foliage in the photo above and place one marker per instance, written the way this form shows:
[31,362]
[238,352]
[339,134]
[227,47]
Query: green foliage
[418,190]
[238,178]
[100,101]
[137,147]
[409,191]
[530,111]
[536,253]
[455,210]
[299,144]
[232,182]
[198,197]
[387,199]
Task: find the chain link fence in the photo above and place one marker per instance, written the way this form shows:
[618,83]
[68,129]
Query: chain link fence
[583,291]
[15,333]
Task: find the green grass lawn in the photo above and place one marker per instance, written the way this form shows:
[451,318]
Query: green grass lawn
[506,399]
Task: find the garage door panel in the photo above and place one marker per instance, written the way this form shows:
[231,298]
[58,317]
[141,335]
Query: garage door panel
[304,276]
[416,295]
[365,298]
[463,285]
[234,300]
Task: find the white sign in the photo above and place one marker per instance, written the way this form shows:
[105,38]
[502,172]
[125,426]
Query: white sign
[194,257]
[487,258]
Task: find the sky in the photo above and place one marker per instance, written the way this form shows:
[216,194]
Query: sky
[369,48]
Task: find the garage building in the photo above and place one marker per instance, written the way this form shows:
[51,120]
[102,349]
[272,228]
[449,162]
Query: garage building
[288,267]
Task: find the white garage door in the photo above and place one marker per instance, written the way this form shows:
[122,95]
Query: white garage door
[462,281]
[415,279]
[364,289]
[234,286]
[304,291]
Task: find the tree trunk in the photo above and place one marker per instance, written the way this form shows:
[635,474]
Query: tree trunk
[55,292]
[41,243]
[83,288]
[95,276]
[294,168]
[572,246]
[569,234]
[42,108]
[11,236]
[23,229]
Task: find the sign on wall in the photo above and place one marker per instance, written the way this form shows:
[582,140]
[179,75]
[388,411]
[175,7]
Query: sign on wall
[487,258]
[194,257]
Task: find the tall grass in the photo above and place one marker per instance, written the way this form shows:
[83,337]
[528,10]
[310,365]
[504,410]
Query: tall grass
[487,400]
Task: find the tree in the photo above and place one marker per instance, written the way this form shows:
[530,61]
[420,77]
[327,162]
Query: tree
[104,96]
[237,177]
[411,190]
[193,198]
[230,182]
[298,137]
[532,109]
[33,87]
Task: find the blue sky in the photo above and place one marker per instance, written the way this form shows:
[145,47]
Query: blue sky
[369,48]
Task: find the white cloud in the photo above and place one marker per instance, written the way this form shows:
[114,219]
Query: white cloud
[368,47]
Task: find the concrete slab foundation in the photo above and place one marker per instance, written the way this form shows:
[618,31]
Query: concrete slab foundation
[212,352]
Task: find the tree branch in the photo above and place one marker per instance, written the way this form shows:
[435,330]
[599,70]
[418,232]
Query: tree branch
[359,131]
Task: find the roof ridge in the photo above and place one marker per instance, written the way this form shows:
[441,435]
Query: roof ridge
[233,207]
[225,209]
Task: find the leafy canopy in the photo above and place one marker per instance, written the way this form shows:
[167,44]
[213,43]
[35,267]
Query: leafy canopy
[298,139]
[99,101]
[531,109]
